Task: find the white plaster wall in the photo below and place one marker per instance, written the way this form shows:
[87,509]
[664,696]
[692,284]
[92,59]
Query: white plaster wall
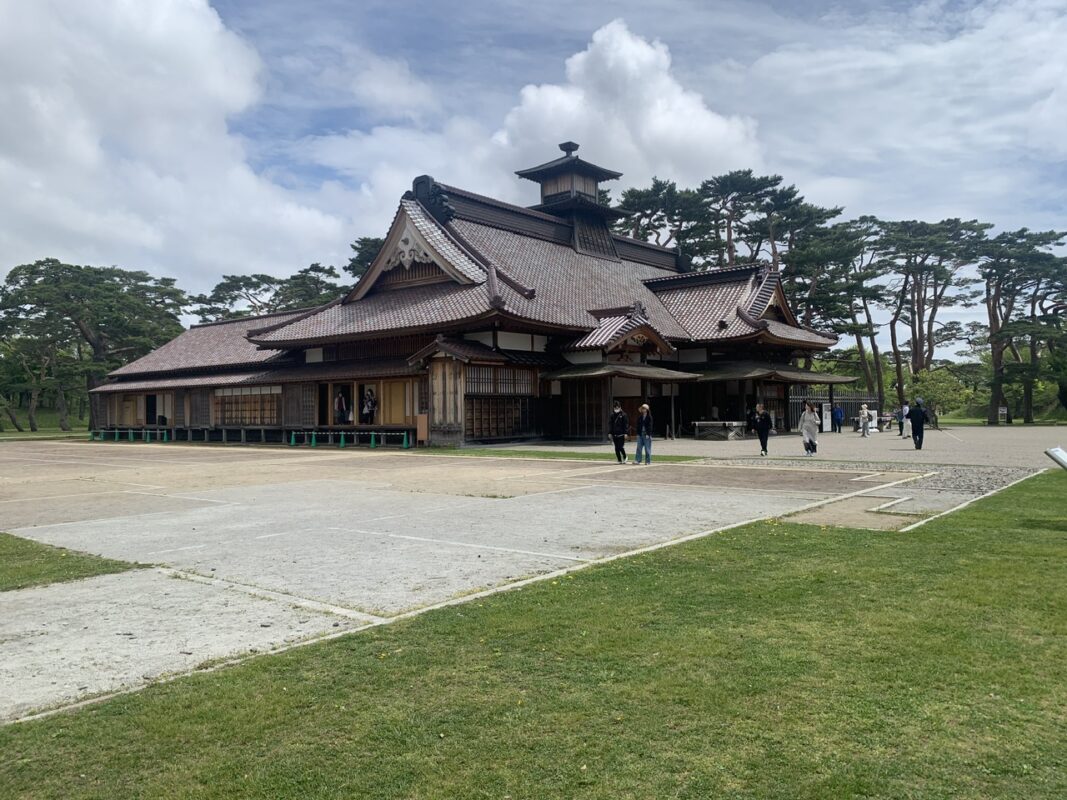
[625,387]
[313,355]
[696,355]
[507,340]
[584,357]
[485,337]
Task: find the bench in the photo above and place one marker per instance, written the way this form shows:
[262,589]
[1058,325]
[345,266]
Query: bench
[723,430]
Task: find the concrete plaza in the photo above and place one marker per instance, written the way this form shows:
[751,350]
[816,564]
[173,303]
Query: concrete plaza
[251,550]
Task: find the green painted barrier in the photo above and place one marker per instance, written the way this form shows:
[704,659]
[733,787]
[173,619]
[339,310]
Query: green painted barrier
[342,442]
[406,445]
[116,434]
[373,440]
[314,439]
[166,438]
[129,435]
[292,438]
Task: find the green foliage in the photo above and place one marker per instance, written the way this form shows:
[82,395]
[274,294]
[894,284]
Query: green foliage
[364,250]
[26,563]
[942,390]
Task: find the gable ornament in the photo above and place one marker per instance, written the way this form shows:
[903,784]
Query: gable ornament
[409,250]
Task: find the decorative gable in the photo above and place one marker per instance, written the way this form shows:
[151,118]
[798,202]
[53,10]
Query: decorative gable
[416,251]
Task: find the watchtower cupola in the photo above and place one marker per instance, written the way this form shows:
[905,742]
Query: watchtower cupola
[570,184]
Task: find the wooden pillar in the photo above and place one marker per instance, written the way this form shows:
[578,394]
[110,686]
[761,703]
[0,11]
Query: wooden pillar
[674,396]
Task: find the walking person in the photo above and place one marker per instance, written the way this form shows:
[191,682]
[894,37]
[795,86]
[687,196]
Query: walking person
[865,421]
[810,422]
[917,416]
[763,424]
[620,427]
[903,418]
[837,418]
[644,435]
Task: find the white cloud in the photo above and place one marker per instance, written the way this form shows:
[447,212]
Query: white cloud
[114,145]
[620,101]
[933,110]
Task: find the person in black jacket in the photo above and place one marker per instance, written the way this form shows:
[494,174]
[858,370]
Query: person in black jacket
[764,423]
[917,415]
[619,427]
[644,435]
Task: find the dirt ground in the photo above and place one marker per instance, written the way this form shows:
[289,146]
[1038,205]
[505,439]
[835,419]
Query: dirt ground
[254,549]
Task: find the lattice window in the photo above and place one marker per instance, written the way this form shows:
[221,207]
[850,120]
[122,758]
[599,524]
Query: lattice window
[498,417]
[248,405]
[483,380]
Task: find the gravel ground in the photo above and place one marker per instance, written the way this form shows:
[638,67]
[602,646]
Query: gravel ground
[948,477]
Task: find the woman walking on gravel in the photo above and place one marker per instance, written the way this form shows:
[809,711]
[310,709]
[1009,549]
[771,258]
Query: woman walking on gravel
[809,428]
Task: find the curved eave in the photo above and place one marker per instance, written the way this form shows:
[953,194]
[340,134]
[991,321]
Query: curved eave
[434,327]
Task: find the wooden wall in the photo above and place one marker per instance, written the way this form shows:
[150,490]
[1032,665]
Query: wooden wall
[448,383]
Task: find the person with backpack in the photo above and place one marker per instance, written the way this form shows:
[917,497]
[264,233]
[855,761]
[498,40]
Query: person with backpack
[917,416]
[619,426]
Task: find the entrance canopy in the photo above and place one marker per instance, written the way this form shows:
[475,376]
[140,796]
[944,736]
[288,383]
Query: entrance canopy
[759,370]
[621,370]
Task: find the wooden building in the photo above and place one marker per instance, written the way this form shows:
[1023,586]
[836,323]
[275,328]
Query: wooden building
[484,321]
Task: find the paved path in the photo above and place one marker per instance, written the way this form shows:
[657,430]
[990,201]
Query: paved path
[258,549]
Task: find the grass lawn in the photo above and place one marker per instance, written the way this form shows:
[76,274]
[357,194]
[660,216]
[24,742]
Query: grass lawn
[605,454]
[27,563]
[48,427]
[771,661]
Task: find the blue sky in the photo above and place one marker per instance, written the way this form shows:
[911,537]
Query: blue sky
[195,139]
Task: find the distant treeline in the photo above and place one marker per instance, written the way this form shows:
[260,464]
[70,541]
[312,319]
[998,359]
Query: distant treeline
[63,327]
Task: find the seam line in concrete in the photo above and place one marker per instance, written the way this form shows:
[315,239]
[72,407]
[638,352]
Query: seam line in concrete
[966,503]
[446,603]
[453,543]
[272,594]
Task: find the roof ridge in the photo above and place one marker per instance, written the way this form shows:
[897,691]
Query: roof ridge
[247,317]
[492,201]
[723,275]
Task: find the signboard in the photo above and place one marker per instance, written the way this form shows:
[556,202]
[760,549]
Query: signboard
[1059,455]
[825,422]
[1002,413]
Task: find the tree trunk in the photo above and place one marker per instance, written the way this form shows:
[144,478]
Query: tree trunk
[61,407]
[862,350]
[996,385]
[14,420]
[896,358]
[31,410]
[81,409]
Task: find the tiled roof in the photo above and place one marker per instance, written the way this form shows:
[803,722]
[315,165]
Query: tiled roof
[333,370]
[566,283]
[709,311]
[426,307]
[603,370]
[613,330]
[441,241]
[531,222]
[463,349]
[189,381]
[789,333]
[743,370]
[218,344]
